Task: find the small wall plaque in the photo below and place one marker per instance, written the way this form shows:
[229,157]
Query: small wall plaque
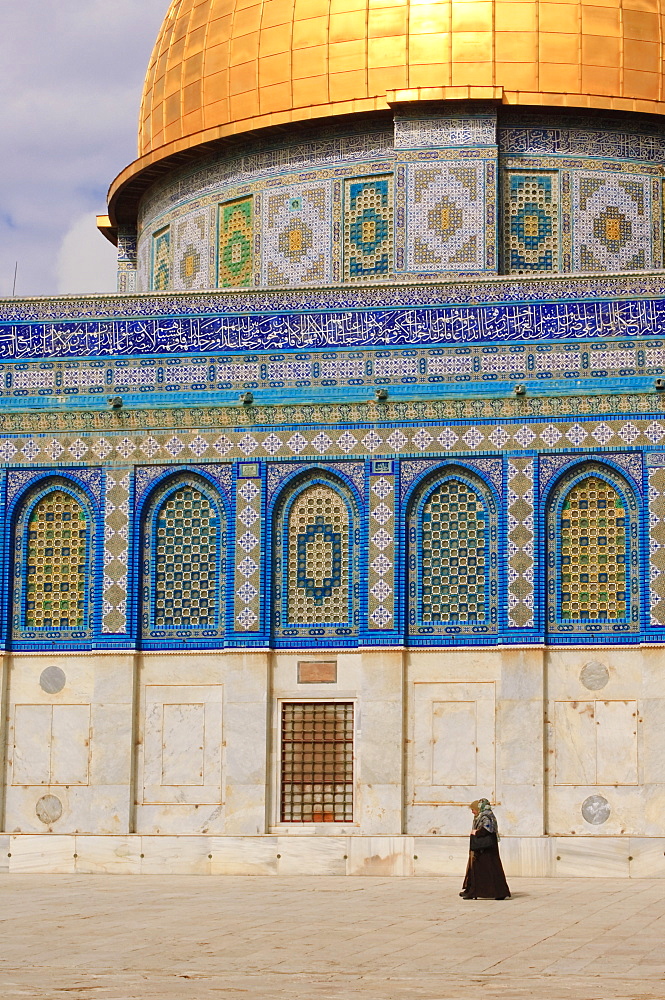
[317,672]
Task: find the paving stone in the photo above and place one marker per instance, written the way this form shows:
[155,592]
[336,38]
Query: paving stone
[121,937]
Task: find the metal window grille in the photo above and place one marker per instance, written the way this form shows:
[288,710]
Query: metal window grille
[317,762]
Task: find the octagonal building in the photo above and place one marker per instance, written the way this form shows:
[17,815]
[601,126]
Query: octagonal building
[348,508]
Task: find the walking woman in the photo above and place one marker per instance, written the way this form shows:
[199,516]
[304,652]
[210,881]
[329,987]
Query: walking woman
[484,877]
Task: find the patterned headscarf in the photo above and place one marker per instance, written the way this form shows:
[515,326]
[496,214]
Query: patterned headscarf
[485,819]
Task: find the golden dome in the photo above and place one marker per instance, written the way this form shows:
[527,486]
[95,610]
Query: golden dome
[222,67]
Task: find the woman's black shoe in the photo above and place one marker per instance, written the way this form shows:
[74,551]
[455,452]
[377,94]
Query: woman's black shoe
[467,895]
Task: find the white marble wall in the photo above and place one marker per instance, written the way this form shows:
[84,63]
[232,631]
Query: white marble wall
[605,739]
[72,746]
[184,749]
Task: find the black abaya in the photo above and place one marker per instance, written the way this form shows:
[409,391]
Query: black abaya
[484,874]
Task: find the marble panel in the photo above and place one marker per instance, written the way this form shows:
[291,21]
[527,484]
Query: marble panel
[34,855]
[246,754]
[111,747]
[107,809]
[382,672]
[440,855]
[380,856]
[527,856]
[173,819]
[378,808]
[592,857]
[437,820]
[647,857]
[652,674]
[70,744]
[521,674]
[633,810]
[5,850]
[312,855]
[651,740]
[616,746]
[519,742]
[113,679]
[108,855]
[188,667]
[454,734]
[183,736]
[182,740]
[437,727]
[245,676]
[521,810]
[243,855]
[575,741]
[380,749]
[175,855]
[564,666]
[31,752]
[245,809]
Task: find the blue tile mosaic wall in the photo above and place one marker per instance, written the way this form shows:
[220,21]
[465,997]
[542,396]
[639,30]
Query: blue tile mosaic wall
[368,227]
[443,218]
[452,578]
[55,570]
[184,560]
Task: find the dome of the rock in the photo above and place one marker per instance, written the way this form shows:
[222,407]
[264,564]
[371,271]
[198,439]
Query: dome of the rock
[220,67]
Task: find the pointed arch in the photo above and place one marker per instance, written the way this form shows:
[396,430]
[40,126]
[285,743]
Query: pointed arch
[592,559]
[54,560]
[184,559]
[452,555]
[316,558]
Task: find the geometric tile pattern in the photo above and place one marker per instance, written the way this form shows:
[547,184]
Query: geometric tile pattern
[368,227]
[116,549]
[315,558]
[452,563]
[423,364]
[184,559]
[521,542]
[56,565]
[186,580]
[446,216]
[381,581]
[192,249]
[592,558]
[612,222]
[54,558]
[236,243]
[593,580]
[657,543]
[531,223]
[161,261]
[453,575]
[318,568]
[296,234]
[250,540]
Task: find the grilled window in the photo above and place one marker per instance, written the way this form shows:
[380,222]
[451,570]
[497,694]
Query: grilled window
[317,762]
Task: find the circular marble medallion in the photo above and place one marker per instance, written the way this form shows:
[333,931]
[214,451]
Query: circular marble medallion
[52,680]
[596,810]
[49,809]
[594,675]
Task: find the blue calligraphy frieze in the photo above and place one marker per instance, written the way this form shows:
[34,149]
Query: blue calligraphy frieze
[171,335]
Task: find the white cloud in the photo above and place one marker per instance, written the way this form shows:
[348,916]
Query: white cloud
[71,73]
[86,261]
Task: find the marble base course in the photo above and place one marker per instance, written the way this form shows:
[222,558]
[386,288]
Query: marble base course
[534,857]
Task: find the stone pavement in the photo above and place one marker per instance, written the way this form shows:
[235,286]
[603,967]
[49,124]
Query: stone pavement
[320,938]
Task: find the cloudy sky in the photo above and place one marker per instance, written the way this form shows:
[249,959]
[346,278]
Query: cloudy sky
[71,73]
